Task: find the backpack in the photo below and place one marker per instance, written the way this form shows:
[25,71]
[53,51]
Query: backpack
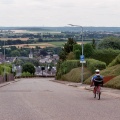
[98,80]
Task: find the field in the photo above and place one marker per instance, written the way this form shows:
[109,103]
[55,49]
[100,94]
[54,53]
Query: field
[23,39]
[41,45]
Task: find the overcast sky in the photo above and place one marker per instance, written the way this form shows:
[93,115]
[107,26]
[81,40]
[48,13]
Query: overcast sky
[60,12]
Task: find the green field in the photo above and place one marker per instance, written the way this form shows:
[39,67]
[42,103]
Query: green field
[57,44]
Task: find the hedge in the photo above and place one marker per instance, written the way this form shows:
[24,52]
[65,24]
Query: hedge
[93,64]
[105,55]
[115,61]
[66,66]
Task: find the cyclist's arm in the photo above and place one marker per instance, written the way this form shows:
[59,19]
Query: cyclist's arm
[92,83]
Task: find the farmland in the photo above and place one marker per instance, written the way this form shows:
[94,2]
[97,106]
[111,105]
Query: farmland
[36,37]
[41,45]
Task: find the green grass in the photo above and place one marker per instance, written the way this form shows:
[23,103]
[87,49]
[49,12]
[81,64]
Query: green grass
[75,75]
[114,83]
[109,71]
[57,44]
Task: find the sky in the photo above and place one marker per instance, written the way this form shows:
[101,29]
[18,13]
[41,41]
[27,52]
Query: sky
[59,13]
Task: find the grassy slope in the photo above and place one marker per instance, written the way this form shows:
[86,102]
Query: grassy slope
[75,74]
[110,71]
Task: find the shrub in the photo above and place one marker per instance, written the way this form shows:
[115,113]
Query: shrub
[77,54]
[4,68]
[115,61]
[105,55]
[93,64]
[26,74]
[88,50]
[66,66]
[109,42]
[70,56]
[28,67]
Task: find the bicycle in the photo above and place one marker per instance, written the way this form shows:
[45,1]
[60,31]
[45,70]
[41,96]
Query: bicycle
[97,91]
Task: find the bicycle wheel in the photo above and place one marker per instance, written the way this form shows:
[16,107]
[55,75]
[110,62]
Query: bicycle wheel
[99,95]
[98,92]
[94,95]
[94,92]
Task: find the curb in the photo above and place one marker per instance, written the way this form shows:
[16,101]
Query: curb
[106,93]
[7,83]
[4,84]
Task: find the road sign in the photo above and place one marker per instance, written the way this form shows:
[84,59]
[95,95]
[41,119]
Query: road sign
[82,57]
[83,61]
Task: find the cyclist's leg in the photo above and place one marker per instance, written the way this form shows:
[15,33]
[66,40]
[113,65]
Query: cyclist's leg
[99,92]
[94,91]
[99,88]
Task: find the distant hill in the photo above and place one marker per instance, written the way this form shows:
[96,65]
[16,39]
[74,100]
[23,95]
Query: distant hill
[65,29]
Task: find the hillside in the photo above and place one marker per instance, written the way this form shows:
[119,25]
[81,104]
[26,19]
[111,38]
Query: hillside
[111,77]
[75,74]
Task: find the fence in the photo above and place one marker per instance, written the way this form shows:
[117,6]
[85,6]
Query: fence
[6,78]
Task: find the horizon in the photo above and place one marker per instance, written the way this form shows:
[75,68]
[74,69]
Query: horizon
[62,26]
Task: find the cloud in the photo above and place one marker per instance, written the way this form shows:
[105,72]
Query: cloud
[59,12]
[6,1]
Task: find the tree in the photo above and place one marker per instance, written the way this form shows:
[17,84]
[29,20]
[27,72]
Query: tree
[24,53]
[43,52]
[88,50]
[71,56]
[62,55]
[77,47]
[77,54]
[94,43]
[15,53]
[28,67]
[68,47]
[109,42]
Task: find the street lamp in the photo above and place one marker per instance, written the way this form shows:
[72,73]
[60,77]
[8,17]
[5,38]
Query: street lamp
[82,50]
[4,63]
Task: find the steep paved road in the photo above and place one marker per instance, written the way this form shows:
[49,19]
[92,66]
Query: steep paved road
[42,99]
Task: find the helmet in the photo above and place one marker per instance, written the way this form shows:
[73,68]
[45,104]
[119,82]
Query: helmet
[97,70]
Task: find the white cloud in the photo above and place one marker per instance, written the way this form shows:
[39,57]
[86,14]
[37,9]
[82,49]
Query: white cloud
[59,12]
[6,1]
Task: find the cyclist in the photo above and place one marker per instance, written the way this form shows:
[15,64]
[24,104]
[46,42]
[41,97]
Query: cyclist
[96,80]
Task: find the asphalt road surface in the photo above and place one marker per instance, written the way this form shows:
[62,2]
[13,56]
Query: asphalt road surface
[43,99]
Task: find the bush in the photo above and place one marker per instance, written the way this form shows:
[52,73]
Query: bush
[93,64]
[28,67]
[105,55]
[66,66]
[88,50]
[115,61]
[26,74]
[5,68]
[70,56]
[77,54]
[109,42]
